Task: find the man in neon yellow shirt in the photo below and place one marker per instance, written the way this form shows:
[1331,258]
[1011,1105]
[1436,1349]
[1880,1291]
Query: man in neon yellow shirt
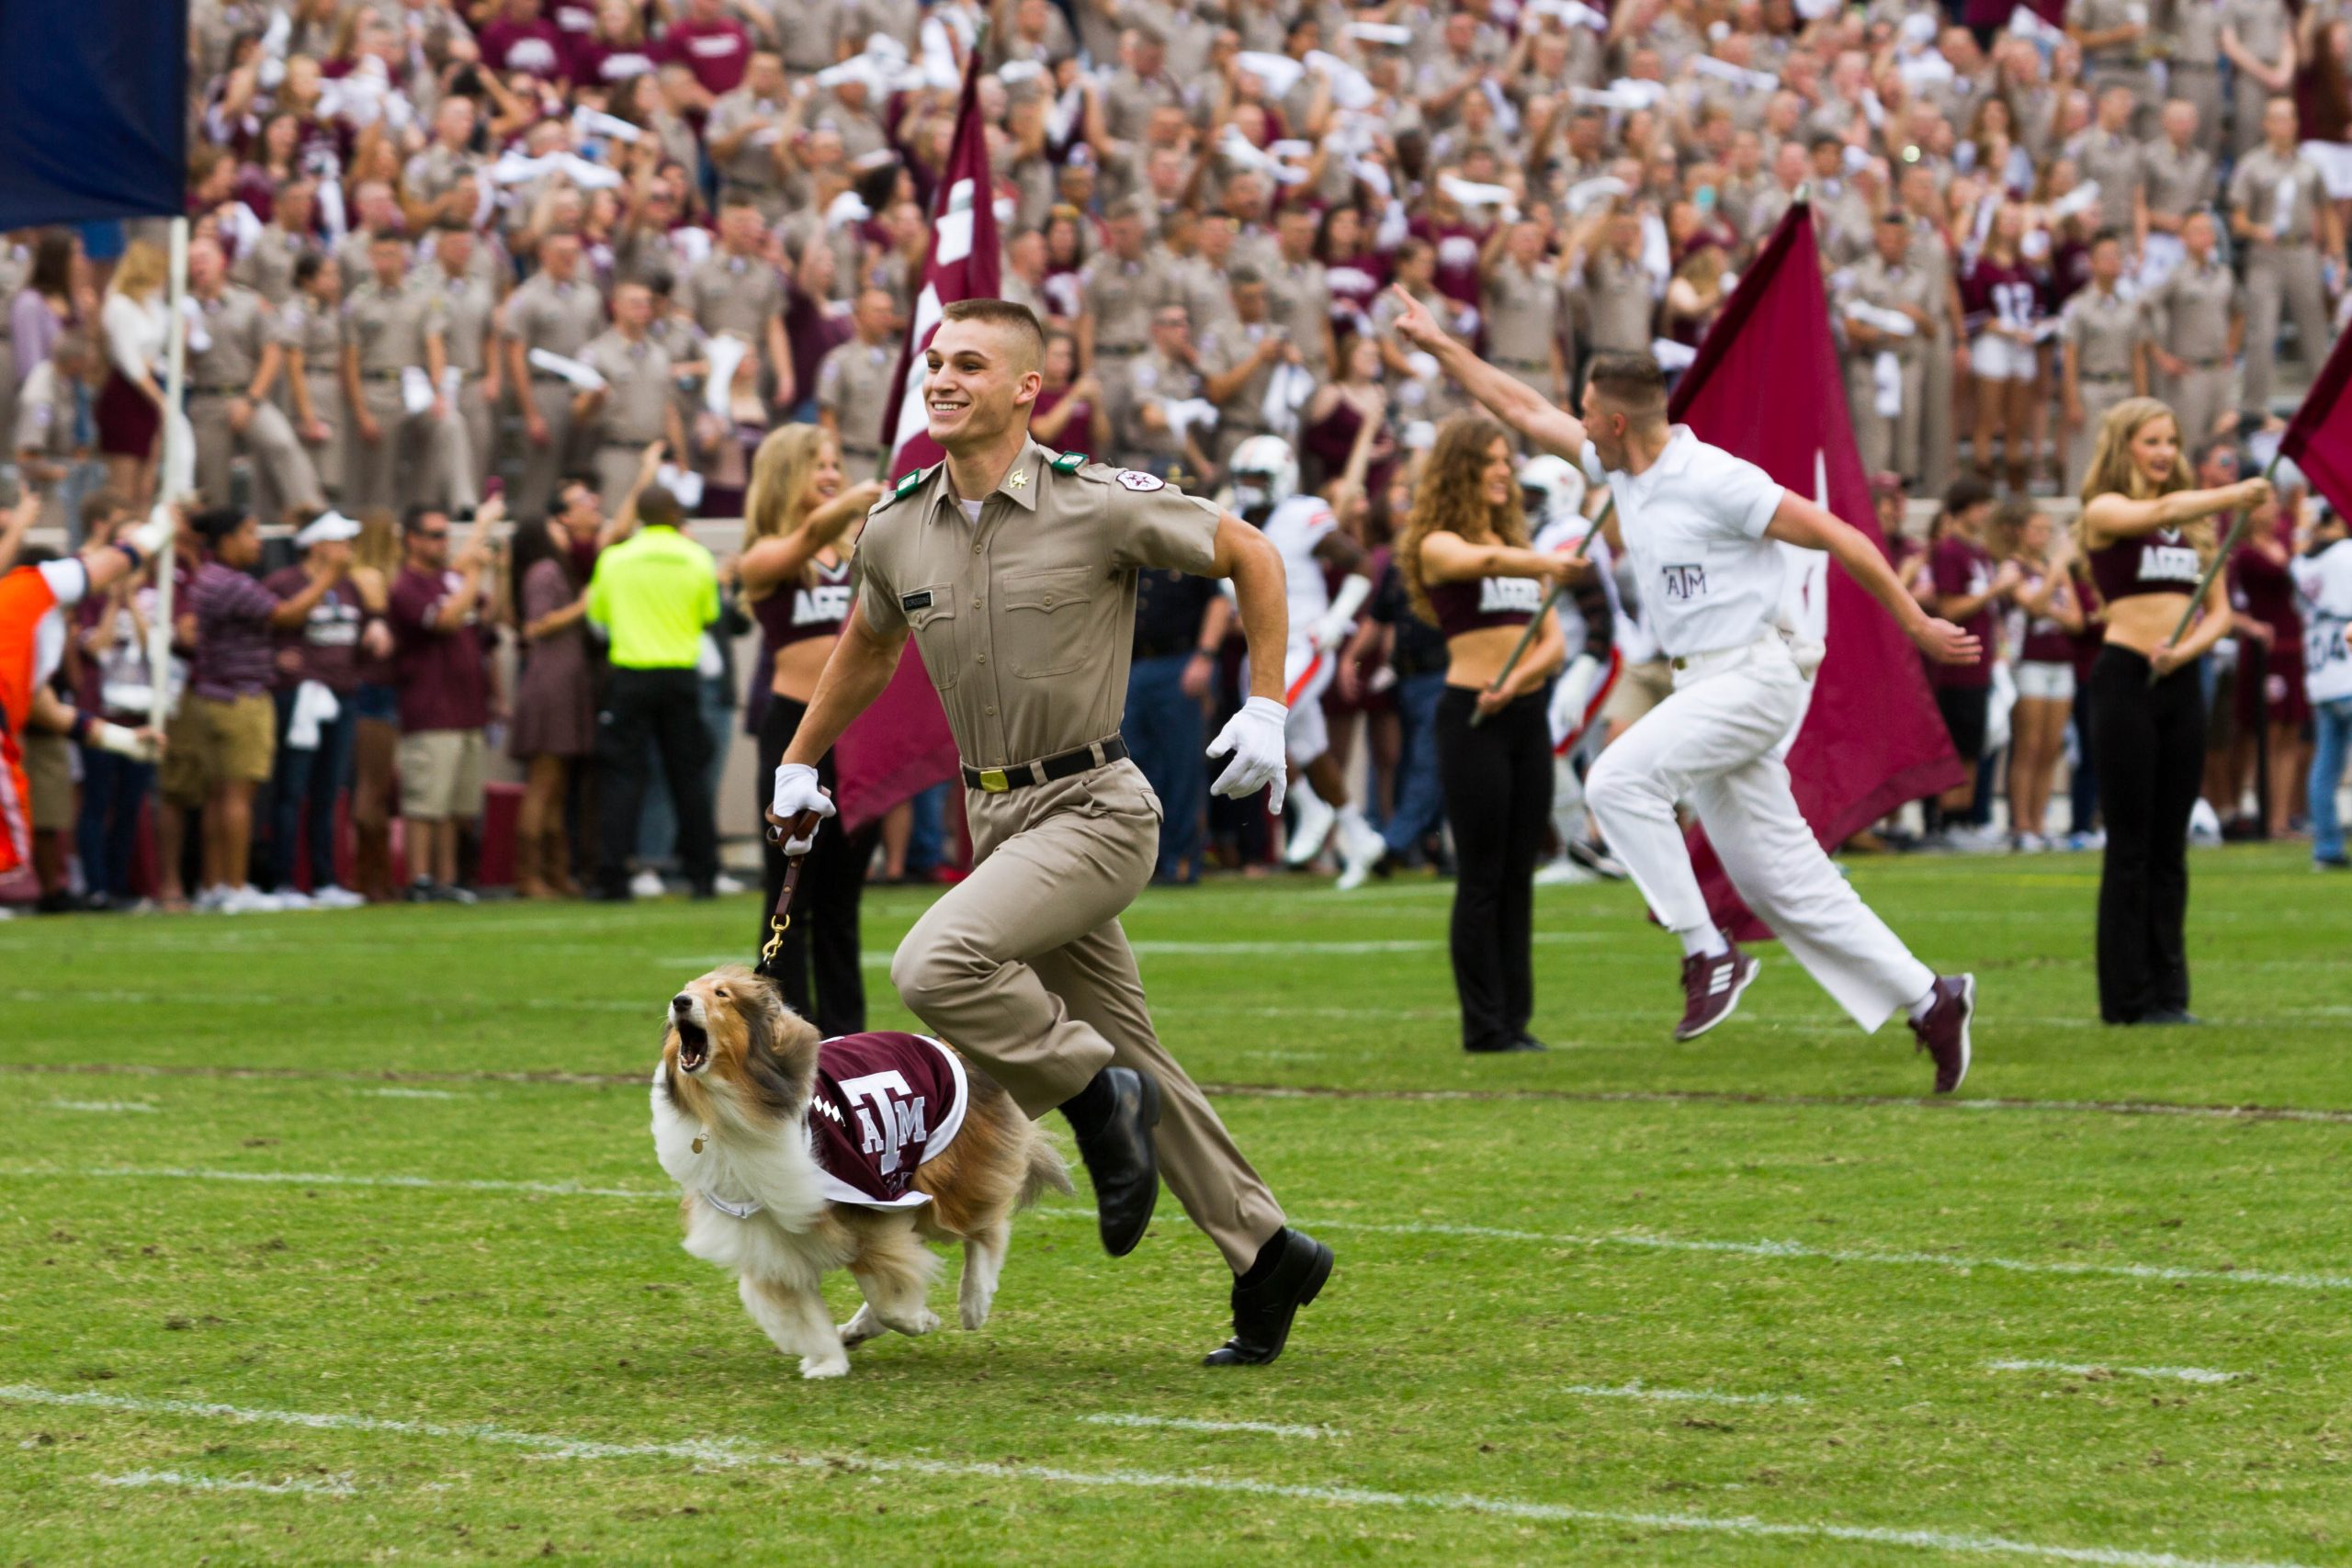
[649,599]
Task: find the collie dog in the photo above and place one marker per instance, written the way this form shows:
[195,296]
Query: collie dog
[800,1155]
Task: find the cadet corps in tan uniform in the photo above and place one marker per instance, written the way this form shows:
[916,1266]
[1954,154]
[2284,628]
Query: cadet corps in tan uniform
[2117,64]
[561,317]
[1889,442]
[2100,331]
[2197,317]
[2176,181]
[238,367]
[469,309]
[311,330]
[635,409]
[2193,69]
[1024,620]
[1120,295]
[2280,244]
[1161,375]
[853,386]
[388,330]
[1239,356]
[1522,306]
[2262,28]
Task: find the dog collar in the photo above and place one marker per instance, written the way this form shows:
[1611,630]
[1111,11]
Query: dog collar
[742,1210]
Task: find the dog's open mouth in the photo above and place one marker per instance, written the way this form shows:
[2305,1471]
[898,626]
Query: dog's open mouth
[694,1046]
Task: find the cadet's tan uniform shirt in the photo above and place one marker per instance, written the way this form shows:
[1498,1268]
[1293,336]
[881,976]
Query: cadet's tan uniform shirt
[2178,178]
[1227,349]
[1873,282]
[390,326]
[1025,619]
[637,391]
[854,382]
[2104,329]
[1123,295]
[2255,191]
[1523,312]
[752,170]
[2116,163]
[2189,312]
[239,324]
[1300,299]
[466,305]
[558,317]
[733,294]
[1152,377]
[1618,304]
[267,266]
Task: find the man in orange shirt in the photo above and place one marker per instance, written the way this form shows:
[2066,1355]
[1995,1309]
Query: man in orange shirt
[32,640]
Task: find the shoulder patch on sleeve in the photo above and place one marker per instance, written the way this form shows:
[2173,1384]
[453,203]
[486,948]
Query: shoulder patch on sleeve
[1135,480]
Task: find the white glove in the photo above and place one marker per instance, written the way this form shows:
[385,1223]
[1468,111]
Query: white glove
[796,791]
[153,537]
[1254,737]
[130,743]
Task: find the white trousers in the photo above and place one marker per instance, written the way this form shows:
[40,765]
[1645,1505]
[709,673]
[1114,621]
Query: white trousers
[1716,744]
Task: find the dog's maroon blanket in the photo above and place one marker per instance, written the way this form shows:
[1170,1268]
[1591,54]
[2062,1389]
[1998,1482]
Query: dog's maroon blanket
[885,1103]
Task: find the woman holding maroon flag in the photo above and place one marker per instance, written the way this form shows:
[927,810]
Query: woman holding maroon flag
[2148,538]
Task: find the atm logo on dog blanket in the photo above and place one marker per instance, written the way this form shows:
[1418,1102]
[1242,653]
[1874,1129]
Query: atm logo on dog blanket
[885,1103]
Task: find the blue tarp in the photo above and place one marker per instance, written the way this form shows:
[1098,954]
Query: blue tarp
[92,110]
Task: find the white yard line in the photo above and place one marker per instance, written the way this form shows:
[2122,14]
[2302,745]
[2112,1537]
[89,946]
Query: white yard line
[1639,1390]
[1185,1424]
[1790,1249]
[334,1486]
[2087,1369]
[412,1094]
[741,1454]
[132,1105]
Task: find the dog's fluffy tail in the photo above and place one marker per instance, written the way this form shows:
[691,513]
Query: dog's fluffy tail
[1046,1170]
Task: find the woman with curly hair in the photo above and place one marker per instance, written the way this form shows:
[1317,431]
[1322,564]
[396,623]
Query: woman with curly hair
[1468,572]
[2148,538]
[796,575]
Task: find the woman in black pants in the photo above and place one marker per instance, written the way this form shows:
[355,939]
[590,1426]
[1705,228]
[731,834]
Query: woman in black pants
[798,530]
[2148,537]
[1467,568]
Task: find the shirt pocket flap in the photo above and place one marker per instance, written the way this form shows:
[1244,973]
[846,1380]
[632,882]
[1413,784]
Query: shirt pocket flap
[1048,590]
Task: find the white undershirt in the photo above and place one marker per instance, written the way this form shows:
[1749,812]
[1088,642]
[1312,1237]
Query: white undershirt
[971,512]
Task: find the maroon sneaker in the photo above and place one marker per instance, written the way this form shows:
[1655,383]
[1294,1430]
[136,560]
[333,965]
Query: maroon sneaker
[1711,989]
[1943,1032]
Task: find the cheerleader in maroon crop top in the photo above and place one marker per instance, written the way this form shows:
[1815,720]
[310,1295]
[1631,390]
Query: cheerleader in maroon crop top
[1467,567]
[2147,538]
[800,515]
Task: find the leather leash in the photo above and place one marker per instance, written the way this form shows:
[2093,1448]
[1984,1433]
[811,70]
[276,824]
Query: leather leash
[804,825]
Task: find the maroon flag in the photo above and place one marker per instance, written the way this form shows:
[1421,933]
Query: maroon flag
[1767,386]
[900,745]
[2319,440]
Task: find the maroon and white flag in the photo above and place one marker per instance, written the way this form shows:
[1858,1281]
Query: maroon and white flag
[2319,440]
[900,745]
[1767,386]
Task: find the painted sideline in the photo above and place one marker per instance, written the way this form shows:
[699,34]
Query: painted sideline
[2162,1273]
[1639,1390]
[738,1453]
[334,1486]
[1186,1423]
[2094,1368]
[2247,1113]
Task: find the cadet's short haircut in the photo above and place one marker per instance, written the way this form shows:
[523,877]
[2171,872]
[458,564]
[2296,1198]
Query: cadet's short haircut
[1635,382]
[1013,316]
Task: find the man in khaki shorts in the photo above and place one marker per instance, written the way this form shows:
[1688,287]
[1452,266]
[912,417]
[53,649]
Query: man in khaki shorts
[443,676]
[1014,572]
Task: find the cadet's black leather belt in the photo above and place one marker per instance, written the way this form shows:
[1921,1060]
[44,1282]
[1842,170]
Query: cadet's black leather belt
[996,781]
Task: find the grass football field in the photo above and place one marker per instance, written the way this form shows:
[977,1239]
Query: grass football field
[339,1239]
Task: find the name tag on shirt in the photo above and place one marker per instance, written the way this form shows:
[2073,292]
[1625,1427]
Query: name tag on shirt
[916,600]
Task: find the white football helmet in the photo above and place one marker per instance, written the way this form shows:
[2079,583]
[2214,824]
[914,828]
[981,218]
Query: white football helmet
[1554,490]
[1265,473]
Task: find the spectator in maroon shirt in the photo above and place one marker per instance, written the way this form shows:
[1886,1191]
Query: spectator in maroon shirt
[442,672]
[318,668]
[711,44]
[520,38]
[1970,591]
[232,724]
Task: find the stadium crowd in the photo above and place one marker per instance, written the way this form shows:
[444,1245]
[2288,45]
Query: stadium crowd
[597,253]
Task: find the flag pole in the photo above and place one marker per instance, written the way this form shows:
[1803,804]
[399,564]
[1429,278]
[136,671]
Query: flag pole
[1551,602]
[2221,557]
[176,434]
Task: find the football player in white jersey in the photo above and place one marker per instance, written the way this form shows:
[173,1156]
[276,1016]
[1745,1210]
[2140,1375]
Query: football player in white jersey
[1305,529]
[1702,529]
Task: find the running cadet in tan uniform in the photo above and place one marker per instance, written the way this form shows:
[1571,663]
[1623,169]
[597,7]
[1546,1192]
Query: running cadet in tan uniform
[1014,572]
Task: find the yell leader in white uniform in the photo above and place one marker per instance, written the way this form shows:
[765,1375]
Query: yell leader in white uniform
[1700,526]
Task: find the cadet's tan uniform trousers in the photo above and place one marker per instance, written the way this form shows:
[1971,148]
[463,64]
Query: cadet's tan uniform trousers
[1022,967]
[544,465]
[2284,275]
[283,476]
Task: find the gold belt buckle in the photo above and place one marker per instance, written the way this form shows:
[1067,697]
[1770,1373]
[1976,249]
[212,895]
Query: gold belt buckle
[993,782]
